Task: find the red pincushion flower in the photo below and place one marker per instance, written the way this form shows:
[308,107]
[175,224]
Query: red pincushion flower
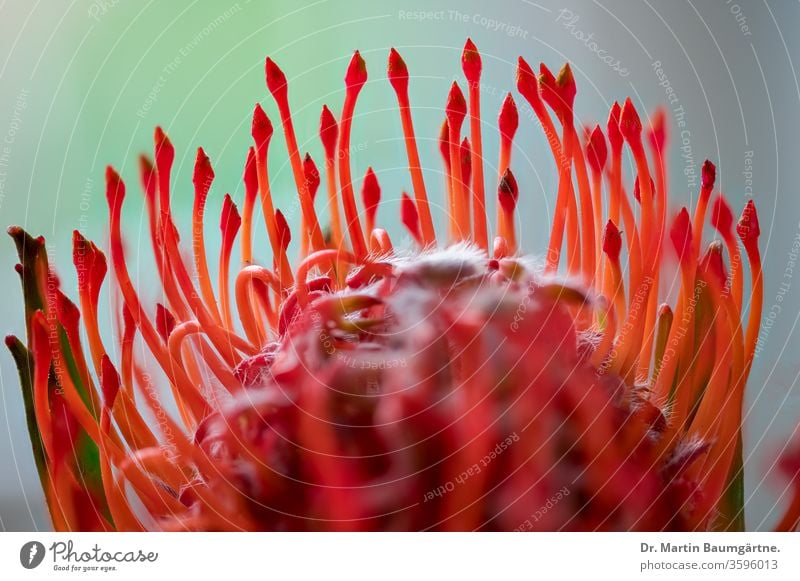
[452,387]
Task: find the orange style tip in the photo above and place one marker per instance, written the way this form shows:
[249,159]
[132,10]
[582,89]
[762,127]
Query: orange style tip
[276,80]
[250,175]
[596,150]
[371,192]
[658,130]
[566,85]
[115,187]
[89,259]
[109,380]
[328,131]
[664,310]
[466,160]
[630,125]
[311,175]
[681,235]
[548,88]
[713,265]
[203,175]
[77,237]
[145,166]
[722,216]
[397,71]
[356,74]
[284,232]
[709,175]
[747,227]
[612,127]
[165,322]
[527,84]
[637,192]
[160,138]
[456,107]
[508,191]
[444,143]
[261,128]
[146,176]
[164,151]
[612,241]
[471,62]
[229,219]
[508,121]
[410,217]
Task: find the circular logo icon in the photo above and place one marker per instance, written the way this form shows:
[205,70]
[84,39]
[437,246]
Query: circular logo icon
[31,554]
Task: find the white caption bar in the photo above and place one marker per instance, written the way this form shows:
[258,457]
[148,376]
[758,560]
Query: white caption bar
[483,556]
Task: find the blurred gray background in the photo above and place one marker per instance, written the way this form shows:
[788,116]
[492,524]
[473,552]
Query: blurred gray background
[83,83]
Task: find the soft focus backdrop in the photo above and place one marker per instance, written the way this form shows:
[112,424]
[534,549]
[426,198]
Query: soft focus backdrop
[84,82]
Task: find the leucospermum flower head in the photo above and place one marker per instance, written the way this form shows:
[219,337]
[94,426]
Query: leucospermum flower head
[453,386]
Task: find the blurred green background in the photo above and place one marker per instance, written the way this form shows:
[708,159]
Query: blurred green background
[83,83]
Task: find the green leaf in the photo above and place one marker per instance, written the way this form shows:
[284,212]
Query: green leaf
[24,362]
[33,260]
[732,510]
